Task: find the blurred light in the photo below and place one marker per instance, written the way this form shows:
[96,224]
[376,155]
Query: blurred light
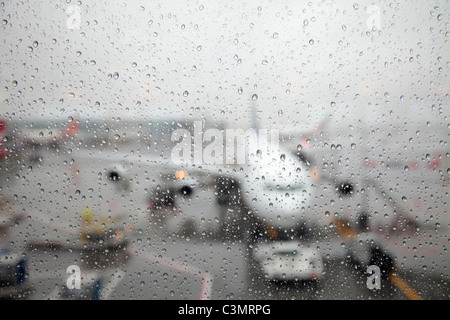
[119,234]
[181,174]
[314,173]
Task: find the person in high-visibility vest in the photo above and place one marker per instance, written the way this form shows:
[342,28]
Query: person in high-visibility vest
[86,216]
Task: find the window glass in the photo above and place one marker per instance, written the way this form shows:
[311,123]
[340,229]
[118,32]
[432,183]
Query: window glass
[224,150]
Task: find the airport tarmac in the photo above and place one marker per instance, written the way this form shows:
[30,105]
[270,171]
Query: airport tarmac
[149,262]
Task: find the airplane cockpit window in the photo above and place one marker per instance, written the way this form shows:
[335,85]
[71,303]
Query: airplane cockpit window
[224,150]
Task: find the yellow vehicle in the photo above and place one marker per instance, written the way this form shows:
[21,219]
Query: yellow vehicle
[102,229]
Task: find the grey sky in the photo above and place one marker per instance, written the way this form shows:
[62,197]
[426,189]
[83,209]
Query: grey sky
[303,60]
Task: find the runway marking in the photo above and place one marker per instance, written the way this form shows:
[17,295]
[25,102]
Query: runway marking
[344,229]
[347,232]
[206,280]
[116,278]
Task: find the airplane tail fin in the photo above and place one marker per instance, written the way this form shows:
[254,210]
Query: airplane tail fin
[70,129]
[4,152]
[3,125]
[253,115]
[317,127]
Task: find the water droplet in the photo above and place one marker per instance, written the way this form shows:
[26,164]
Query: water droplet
[116,75]
[254,97]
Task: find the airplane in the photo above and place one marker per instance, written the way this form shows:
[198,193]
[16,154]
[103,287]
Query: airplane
[347,175]
[276,187]
[49,138]
[384,198]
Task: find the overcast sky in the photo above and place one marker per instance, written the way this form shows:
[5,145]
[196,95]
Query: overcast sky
[294,61]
